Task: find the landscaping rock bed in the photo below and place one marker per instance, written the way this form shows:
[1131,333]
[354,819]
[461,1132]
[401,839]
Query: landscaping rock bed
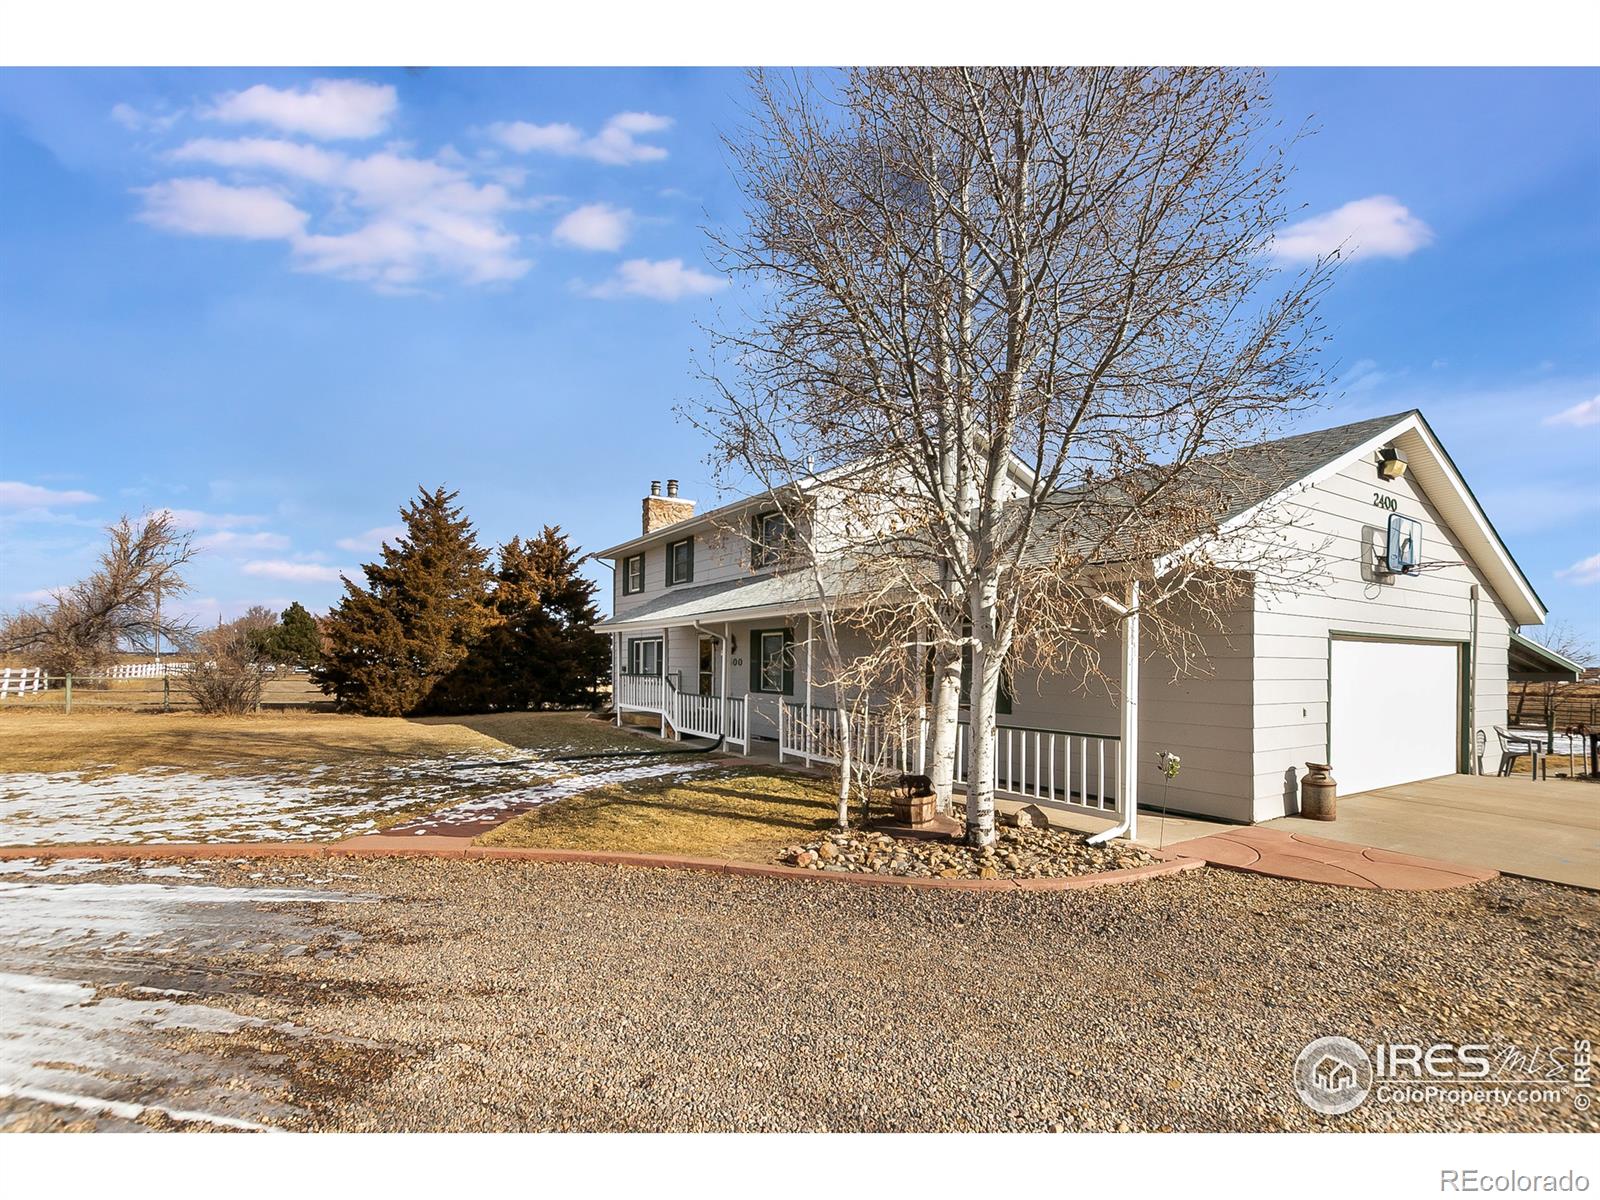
[1027,852]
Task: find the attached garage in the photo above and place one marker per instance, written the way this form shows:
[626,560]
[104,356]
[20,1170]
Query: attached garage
[1394,711]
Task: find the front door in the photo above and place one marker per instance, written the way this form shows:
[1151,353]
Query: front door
[708,666]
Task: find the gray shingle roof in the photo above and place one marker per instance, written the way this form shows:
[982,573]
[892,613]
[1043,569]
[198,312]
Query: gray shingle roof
[1229,482]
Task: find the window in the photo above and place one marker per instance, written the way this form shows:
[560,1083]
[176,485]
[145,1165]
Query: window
[708,658]
[633,575]
[680,562]
[770,535]
[772,661]
[644,656]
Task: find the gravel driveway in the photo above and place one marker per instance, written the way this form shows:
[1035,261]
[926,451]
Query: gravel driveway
[514,996]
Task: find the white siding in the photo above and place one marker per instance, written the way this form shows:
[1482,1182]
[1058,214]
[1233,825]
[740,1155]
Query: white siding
[1293,626]
[1203,715]
[720,555]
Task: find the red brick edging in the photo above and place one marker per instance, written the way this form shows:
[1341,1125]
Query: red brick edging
[380,847]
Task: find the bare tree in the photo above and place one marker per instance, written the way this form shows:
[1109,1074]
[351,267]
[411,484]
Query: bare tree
[116,607]
[1559,637]
[1037,301]
[229,671]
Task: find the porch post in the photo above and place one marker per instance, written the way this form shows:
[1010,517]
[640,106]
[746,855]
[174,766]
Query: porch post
[616,679]
[665,634]
[807,743]
[725,706]
[1129,800]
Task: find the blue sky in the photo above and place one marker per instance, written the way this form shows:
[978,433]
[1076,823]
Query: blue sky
[277,301]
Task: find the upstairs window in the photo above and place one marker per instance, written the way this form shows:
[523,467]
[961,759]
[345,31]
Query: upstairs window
[770,536]
[680,562]
[633,575]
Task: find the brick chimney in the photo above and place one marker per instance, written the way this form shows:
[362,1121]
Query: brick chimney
[660,511]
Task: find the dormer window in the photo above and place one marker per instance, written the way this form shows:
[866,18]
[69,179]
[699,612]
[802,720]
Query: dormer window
[771,534]
[680,562]
[633,575]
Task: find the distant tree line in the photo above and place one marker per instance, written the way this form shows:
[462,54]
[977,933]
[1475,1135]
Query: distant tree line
[439,628]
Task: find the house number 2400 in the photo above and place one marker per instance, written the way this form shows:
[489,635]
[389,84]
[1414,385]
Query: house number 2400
[1388,503]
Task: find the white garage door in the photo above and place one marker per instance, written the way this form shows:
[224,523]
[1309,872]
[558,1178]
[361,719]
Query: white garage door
[1396,713]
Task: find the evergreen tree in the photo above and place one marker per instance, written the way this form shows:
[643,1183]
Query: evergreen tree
[542,650]
[295,640]
[393,642]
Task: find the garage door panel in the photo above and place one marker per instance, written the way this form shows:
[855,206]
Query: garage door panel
[1395,712]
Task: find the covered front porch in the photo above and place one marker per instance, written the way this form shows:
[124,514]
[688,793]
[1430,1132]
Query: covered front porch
[755,683]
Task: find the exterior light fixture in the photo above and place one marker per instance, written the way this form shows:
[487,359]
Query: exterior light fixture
[1391,463]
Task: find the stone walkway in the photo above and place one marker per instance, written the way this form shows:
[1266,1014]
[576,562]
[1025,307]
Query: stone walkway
[1317,860]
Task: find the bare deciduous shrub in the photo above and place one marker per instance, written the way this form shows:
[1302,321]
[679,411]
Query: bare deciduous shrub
[227,677]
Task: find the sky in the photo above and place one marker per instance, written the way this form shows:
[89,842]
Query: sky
[277,302]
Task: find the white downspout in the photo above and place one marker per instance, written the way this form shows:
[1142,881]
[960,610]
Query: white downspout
[810,634]
[1473,767]
[1128,827]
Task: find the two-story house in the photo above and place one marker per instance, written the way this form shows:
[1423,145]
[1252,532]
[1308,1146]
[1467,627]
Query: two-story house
[1393,668]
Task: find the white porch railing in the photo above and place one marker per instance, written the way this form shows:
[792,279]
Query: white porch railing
[687,713]
[693,714]
[1080,769]
[643,693]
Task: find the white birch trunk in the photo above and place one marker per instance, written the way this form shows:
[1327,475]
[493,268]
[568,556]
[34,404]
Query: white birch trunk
[988,654]
[943,718]
[846,764]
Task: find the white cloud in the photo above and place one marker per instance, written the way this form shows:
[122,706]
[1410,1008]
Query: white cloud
[616,144]
[1364,375]
[37,596]
[138,121]
[297,572]
[1580,416]
[403,218]
[193,518]
[229,541]
[14,494]
[371,540]
[595,227]
[1376,227]
[207,208]
[1583,572]
[273,154]
[327,109]
[666,279]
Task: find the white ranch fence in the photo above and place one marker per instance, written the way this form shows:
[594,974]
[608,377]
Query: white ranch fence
[145,670]
[19,681]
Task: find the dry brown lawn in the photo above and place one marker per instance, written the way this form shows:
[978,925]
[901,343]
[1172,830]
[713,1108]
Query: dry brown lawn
[104,742]
[741,813]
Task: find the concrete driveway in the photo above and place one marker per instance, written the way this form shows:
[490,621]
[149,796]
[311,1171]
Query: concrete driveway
[1544,829]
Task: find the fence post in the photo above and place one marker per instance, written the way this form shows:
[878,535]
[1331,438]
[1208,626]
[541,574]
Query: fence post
[166,692]
[69,691]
